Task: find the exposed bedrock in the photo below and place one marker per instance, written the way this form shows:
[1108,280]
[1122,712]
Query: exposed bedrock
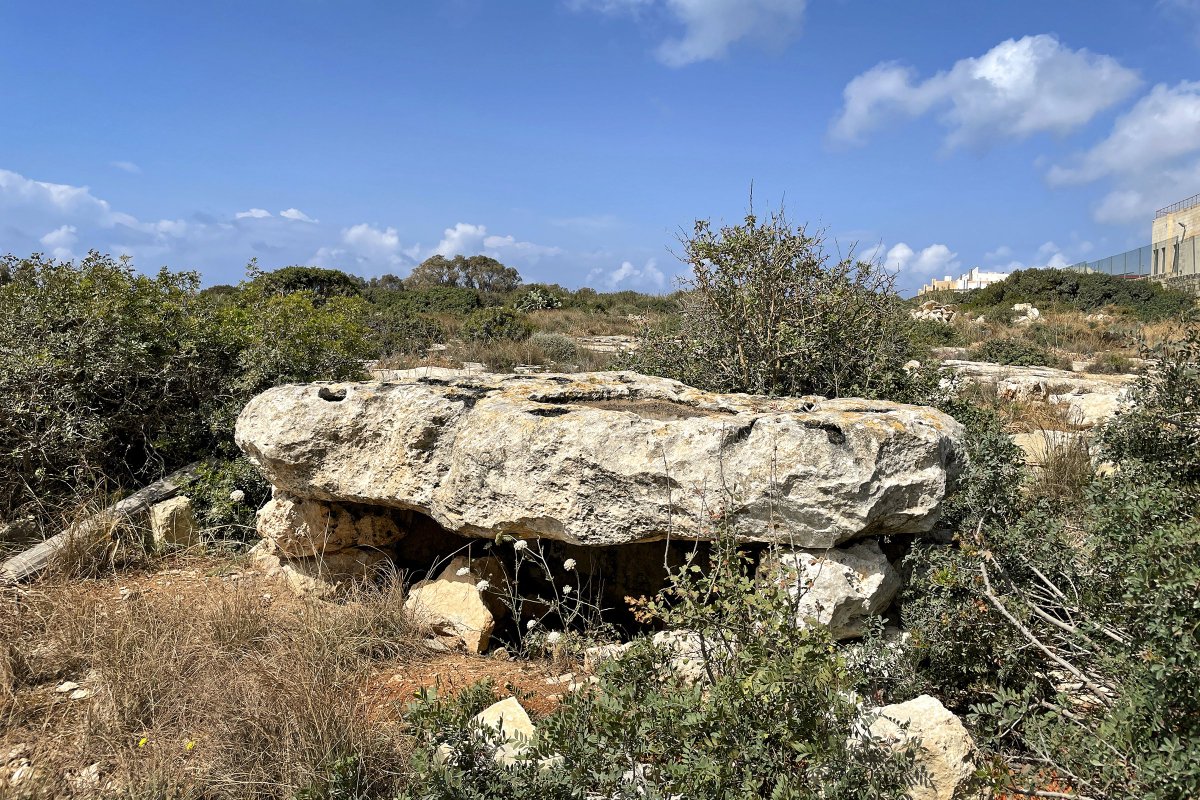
[597,459]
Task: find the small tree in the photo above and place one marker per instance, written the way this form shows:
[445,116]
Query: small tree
[766,312]
[481,273]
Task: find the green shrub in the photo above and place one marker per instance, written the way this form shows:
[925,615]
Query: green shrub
[774,714]
[1051,288]
[767,313]
[109,378]
[1109,362]
[926,334]
[537,298]
[226,494]
[320,283]
[104,374]
[396,331]
[557,348]
[1071,631]
[494,324]
[1017,353]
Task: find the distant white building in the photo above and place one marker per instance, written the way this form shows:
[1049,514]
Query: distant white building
[974,278]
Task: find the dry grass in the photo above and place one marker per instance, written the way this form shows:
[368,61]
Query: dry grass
[235,695]
[1066,470]
[576,322]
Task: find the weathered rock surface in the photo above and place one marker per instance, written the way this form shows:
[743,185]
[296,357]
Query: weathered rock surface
[301,528]
[606,458]
[173,524]
[838,588]
[933,310]
[463,602]
[1092,399]
[516,731]
[512,721]
[324,575]
[947,751]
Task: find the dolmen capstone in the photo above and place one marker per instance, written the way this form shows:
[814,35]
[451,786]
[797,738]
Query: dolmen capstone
[592,458]
[595,459]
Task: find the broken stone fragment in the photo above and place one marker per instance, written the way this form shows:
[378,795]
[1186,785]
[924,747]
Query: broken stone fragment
[461,606]
[602,459]
[946,753]
[516,731]
[322,576]
[301,528]
[839,588]
[172,524]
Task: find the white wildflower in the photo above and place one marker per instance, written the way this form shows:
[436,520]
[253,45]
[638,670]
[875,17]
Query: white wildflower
[531,624]
[520,545]
[569,564]
[552,637]
[482,586]
[463,571]
[237,495]
[568,589]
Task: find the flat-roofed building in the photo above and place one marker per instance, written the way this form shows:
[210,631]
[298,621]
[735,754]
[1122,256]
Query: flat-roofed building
[974,278]
[1175,248]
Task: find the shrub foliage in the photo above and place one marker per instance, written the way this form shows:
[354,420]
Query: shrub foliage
[766,311]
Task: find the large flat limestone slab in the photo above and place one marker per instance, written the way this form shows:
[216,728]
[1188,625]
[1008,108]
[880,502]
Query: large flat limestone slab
[607,458]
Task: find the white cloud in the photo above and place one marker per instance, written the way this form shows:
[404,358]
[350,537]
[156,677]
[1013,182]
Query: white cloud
[1018,88]
[463,239]
[593,222]
[60,241]
[1048,254]
[297,215]
[1161,127]
[66,221]
[1151,155]
[999,254]
[648,277]
[126,166]
[711,27]
[467,239]
[934,259]
[23,199]
[508,245]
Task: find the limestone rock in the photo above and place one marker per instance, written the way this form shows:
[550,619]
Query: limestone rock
[301,528]
[947,751]
[1090,398]
[690,653]
[455,606]
[606,458]
[516,732]
[686,651]
[596,655]
[510,718]
[838,588]
[173,524]
[321,576]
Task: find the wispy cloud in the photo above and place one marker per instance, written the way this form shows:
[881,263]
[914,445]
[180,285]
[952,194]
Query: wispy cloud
[710,27]
[297,215]
[126,166]
[647,277]
[66,221]
[1151,155]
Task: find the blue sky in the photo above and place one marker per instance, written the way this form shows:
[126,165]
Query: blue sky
[574,139]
